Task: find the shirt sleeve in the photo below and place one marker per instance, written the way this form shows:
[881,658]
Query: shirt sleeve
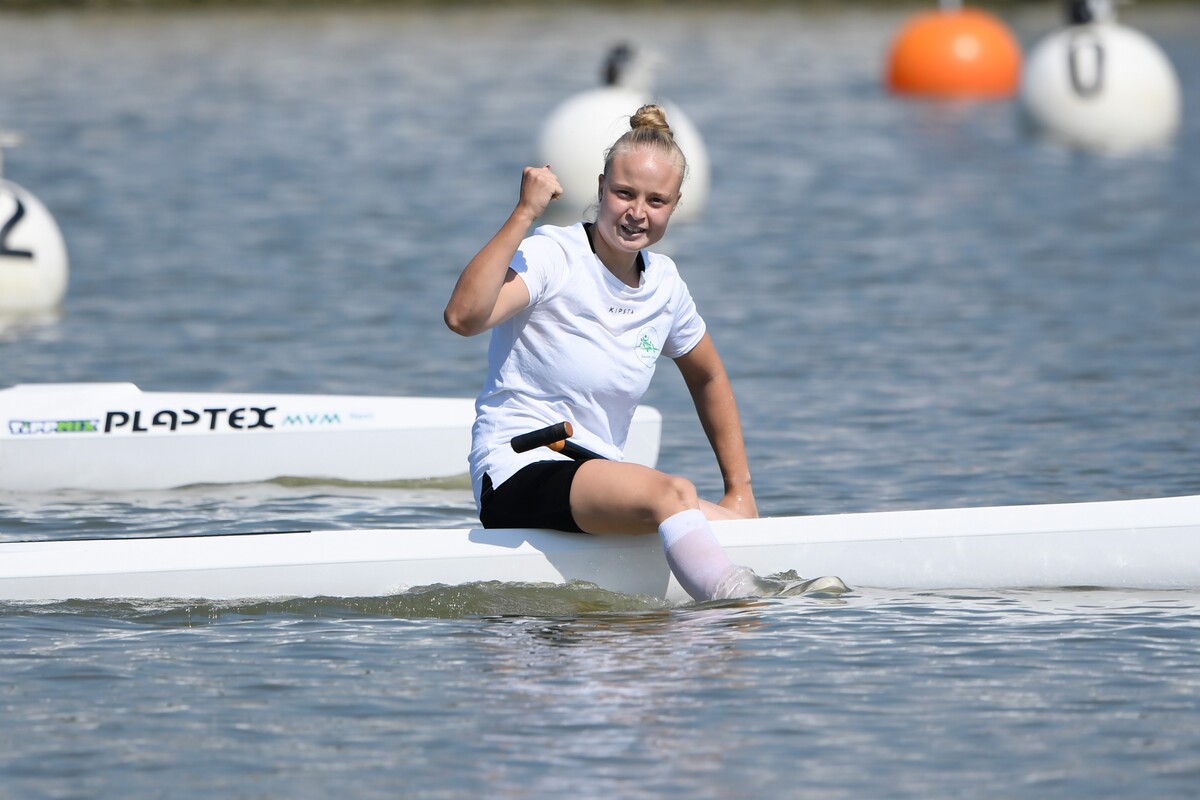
[541,264]
[687,327]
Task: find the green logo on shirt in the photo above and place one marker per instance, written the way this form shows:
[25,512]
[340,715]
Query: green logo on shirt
[647,346]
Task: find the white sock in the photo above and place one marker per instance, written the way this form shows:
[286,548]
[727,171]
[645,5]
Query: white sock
[694,554]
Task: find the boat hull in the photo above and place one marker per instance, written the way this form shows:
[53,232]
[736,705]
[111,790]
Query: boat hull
[1135,544]
[115,437]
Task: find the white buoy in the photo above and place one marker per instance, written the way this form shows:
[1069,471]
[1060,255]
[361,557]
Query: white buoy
[1101,86]
[579,131]
[33,255]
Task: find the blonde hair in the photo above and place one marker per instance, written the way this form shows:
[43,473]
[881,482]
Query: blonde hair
[648,128]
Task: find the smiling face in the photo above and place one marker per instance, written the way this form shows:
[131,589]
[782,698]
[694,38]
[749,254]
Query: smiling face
[637,196]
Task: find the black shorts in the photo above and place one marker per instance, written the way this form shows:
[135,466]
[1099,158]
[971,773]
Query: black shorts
[538,496]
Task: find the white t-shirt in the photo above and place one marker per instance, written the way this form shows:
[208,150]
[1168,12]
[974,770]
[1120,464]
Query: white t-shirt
[583,351]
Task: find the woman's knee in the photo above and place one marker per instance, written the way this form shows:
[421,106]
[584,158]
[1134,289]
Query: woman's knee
[675,494]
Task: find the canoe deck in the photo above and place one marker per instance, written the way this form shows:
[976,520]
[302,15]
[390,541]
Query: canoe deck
[1131,544]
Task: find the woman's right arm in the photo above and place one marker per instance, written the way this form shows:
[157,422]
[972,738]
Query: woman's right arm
[488,292]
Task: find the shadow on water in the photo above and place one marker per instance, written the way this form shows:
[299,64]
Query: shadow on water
[473,600]
[576,602]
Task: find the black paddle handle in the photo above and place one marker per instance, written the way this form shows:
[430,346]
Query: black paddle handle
[555,437]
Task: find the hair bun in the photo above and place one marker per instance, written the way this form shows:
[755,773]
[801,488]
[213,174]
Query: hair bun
[648,128]
[650,116]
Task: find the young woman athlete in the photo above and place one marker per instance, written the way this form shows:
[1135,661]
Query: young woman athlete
[579,318]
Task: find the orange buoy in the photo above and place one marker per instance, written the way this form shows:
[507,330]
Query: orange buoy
[955,53]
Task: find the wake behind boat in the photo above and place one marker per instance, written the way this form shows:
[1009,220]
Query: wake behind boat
[113,436]
[1149,544]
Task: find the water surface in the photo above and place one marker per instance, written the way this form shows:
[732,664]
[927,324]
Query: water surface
[920,307]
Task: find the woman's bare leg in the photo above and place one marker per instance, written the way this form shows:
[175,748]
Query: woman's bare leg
[616,497]
[620,497]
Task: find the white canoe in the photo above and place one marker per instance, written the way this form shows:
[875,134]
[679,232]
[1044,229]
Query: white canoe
[113,436]
[1130,544]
